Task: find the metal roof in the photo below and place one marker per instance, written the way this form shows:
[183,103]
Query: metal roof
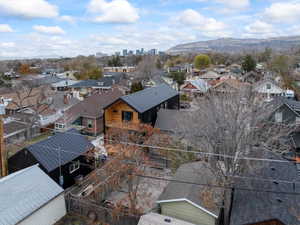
[67,146]
[24,192]
[157,219]
[148,98]
[196,172]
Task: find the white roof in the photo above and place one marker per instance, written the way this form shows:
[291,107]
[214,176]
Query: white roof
[23,192]
[65,83]
[210,75]
[157,219]
[200,84]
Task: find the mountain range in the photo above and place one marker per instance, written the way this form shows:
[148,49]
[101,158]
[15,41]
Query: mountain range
[234,45]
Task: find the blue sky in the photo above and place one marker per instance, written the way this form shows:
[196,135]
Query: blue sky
[32,28]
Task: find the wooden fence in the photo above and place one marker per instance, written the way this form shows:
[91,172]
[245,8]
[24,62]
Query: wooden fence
[99,213]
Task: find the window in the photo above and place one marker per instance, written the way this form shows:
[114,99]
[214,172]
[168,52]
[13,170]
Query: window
[59,126]
[74,166]
[268,86]
[278,117]
[127,116]
[90,123]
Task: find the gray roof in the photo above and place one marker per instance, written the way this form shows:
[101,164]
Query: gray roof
[148,98]
[23,192]
[70,143]
[14,127]
[196,172]
[157,219]
[252,207]
[105,82]
[167,119]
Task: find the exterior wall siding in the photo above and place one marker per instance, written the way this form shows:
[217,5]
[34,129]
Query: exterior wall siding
[187,212]
[288,116]
[97,126]
[113,115]
[48,214]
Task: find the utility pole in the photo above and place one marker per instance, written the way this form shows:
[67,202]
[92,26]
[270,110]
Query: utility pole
[3,160]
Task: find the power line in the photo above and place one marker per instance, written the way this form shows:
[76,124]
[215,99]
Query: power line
[178,150]
[242,177]
[217,186]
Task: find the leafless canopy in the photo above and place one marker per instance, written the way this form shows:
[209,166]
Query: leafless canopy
[233,126]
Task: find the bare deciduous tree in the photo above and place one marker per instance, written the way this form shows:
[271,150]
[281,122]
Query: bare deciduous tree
[146,69]
[230,127]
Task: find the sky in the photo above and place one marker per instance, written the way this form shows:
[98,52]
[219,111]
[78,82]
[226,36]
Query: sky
[47,28]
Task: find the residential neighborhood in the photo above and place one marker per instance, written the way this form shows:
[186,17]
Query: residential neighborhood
[126,112]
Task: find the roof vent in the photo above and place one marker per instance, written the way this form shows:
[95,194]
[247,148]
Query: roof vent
[167,220]
[279,200]
[275,182]
[273,169]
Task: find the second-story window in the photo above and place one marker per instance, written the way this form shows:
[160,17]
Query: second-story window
[127,116]
[90,123]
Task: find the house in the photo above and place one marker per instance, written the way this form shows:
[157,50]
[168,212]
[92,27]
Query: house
[61,156]
[229,86]
[210,75]
[16,132]
[120,69]
[270,207]
[251,77]
[24,99]
[88,114]
[56,104]
[189,202]
[30,197]
[140,108]
[157,219]
[195,87]
[63,85]
[267,88]
[286,111]
[86,87]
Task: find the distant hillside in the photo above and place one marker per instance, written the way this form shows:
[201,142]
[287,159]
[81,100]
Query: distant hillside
[232,45]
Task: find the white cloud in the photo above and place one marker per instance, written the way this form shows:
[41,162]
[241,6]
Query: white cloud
[28,8]
[69,19]
[7,44]
[48,29]
[283,12]
[233,4]
[5,28]
[260,27]
[115,11]
[209,27]
[109,40]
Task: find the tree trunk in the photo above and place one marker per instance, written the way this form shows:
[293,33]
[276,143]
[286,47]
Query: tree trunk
[227,205]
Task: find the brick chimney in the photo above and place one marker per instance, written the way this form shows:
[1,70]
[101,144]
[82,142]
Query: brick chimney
[66,99]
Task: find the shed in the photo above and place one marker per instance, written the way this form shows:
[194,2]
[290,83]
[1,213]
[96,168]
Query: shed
[30,197]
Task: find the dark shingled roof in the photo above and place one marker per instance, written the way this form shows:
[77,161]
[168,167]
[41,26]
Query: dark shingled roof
[71,144]
[167,119]
[196,172]
[105,82]
[250,207]
[148,98]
